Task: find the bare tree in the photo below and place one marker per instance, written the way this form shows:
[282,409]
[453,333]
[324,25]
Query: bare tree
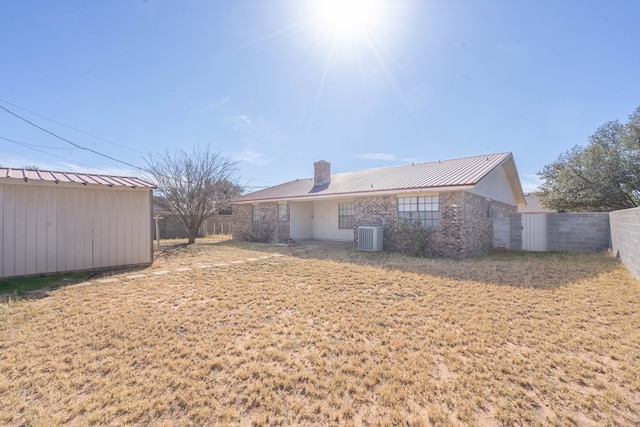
[193,186]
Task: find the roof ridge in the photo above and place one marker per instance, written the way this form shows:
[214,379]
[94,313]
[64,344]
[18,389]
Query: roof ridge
[425,163]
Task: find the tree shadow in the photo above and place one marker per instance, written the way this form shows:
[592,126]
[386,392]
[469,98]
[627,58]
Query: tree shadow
[548,270]
[168,250]
[539,270]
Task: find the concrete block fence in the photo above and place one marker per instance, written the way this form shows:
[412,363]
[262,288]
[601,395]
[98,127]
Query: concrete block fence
[571,232]
[578,232]
[625,238]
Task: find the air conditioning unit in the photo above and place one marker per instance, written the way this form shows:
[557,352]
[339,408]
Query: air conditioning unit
[370,238]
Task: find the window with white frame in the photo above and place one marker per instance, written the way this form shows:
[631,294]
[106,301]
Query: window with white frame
[425,209]
[346,216]
[255,218]
[282,218]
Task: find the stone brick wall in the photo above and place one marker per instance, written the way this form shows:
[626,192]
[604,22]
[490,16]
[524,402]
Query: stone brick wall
[268,218]
[321,173]
[625,238]
[241,222]
[476,227]
[466,226]
[377,210]
[283,234]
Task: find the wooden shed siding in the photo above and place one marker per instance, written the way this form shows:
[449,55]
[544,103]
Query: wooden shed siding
[47,229]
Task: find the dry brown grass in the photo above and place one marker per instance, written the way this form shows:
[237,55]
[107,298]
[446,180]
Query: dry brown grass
[329,337]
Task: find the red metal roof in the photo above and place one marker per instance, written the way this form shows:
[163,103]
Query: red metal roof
[72,177]
[466,171]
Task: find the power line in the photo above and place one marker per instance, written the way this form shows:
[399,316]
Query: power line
[31,147]
[71,142]
[73,128]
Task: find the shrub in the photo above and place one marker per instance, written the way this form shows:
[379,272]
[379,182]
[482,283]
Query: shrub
[264,234]
[414,238]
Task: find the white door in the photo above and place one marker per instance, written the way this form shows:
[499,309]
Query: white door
[534,232]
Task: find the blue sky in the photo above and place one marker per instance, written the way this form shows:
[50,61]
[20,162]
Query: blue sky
[273,87]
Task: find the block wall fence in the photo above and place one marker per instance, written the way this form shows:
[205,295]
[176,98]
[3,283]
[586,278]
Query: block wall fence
[571,232]
[625,238]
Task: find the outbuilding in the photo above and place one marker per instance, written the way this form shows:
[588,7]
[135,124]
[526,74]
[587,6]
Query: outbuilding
[52,222]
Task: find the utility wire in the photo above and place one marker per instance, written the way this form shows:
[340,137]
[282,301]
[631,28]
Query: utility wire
[71,142]
[31,147]
[73,128]
[77,146]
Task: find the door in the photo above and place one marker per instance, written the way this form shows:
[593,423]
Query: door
[534,232]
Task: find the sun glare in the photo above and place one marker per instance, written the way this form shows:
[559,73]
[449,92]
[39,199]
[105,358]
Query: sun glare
[347,19]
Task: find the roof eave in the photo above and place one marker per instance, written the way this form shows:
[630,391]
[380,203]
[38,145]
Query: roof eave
[511,170]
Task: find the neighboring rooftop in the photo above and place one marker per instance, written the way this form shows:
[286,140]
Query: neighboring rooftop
[533,205]
[439,175]
[72,177]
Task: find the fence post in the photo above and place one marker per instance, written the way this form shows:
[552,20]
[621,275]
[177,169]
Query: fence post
[157,217]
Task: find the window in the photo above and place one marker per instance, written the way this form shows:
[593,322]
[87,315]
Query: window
[255,218]
[225,210]
[425,209]
[346,218]
[282,218]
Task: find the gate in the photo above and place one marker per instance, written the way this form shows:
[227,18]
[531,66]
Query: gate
[534,232]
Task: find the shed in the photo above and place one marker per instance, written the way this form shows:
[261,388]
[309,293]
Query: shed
[52,222]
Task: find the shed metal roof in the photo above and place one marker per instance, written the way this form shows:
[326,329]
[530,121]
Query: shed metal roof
[73,177]
[461,172]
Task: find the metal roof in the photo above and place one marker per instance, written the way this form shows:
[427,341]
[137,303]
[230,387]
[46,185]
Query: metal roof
[442,174]
[27,175]
[533,205]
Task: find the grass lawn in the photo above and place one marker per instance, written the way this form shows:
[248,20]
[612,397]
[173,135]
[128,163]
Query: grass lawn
[230,335]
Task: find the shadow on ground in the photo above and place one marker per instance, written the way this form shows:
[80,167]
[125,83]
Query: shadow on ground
[542,270]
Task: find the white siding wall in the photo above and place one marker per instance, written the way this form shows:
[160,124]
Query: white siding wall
[47,228]
[317,220]
[496,186]
[301,220]
[325,222]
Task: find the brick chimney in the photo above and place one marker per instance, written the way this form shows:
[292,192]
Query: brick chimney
[321,173]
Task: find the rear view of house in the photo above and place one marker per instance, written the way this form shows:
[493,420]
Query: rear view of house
[456,198]
[59,221]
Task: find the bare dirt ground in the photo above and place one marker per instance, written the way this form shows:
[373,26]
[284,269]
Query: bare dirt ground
[256,335]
